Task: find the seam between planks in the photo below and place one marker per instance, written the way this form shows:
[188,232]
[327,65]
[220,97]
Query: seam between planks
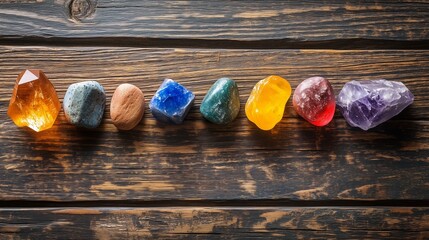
[216,203]
[338,44]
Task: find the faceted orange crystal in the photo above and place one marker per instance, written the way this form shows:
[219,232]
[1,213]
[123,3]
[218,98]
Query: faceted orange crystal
[34,102]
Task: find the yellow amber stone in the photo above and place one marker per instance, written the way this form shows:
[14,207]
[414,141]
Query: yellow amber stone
[267,101]
[34,101]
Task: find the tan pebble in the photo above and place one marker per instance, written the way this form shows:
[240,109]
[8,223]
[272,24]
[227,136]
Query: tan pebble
[127,106]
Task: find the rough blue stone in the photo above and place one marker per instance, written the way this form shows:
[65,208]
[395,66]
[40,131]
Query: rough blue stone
[222,102]
[366,104]
[171,102]
[84,104]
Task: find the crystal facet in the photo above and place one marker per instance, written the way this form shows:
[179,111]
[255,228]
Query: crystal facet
[34,101]
[171,102]
[267,101]
[366,104]
[314,100]
[84,104]
[222,102]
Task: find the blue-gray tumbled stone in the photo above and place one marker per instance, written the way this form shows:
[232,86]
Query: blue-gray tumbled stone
[84,104]
[171,102]
[222,102]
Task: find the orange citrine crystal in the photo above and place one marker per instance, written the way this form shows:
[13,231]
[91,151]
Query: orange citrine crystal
[34,101]
[266,103]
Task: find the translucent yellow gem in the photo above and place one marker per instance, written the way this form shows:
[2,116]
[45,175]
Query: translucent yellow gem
[34,101]
[267,101]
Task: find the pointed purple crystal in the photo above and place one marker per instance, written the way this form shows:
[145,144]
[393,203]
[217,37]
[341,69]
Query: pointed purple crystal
[366,104]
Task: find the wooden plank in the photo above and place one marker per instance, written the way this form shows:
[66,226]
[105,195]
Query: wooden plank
[215,223]
[198,160]
[198,68]
[302,21]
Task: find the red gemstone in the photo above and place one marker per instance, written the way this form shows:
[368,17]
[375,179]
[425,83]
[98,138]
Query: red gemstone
[314,100]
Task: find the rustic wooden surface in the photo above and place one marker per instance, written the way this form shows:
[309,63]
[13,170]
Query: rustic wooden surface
[218,222]
[200,180]
[238,24]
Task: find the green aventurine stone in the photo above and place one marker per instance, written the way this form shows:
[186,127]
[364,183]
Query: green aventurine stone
[222,102]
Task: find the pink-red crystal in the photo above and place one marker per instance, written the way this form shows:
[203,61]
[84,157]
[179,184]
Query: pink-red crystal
[314,100]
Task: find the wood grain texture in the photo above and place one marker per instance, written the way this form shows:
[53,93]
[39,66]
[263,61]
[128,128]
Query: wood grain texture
[297,21]
[215,223]
[199,180]
[199,160]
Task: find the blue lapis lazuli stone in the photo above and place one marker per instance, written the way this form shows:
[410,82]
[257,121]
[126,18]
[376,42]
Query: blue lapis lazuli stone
[171,102]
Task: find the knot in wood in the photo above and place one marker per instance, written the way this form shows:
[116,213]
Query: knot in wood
[81,9]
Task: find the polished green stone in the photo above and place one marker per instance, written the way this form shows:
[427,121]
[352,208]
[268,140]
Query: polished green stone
[222,102]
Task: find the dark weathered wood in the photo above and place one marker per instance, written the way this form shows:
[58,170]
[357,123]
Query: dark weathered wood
[199,180]
[215,223]
[198,160]
[297,21]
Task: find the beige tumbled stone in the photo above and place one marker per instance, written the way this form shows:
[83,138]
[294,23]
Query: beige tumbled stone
[127,106]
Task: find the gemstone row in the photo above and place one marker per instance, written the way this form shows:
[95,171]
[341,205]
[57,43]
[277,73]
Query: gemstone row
[364,104]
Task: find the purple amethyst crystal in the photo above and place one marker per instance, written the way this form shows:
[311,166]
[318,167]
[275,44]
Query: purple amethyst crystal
[366,104]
